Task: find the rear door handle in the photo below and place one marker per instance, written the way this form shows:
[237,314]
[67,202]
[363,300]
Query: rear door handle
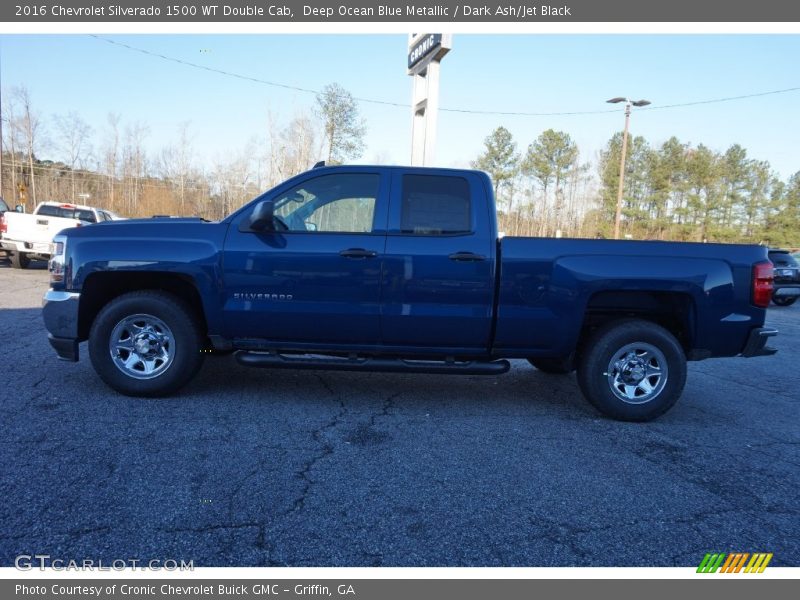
[358,253]
[466,257]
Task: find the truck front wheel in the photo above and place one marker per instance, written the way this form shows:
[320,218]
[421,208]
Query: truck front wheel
[632,370]
[20,260]
[146,343]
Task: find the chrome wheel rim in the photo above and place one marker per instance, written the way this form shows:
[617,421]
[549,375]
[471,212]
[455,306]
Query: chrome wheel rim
[142,346]
[637,373]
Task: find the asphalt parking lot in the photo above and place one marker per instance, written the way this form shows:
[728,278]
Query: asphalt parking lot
[258,467]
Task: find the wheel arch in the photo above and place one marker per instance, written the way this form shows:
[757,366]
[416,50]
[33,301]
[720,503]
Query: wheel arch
[102,287]
[674,311]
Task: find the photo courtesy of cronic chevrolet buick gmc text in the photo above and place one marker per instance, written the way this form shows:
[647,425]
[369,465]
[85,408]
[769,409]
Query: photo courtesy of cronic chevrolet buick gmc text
[400,269]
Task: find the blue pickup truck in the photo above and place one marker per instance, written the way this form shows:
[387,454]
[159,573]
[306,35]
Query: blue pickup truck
[400,269]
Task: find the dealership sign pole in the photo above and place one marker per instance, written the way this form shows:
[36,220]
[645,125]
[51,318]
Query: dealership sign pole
[425,52]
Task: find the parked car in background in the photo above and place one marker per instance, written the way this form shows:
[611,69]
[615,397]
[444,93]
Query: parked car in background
[787,277]
[30,236]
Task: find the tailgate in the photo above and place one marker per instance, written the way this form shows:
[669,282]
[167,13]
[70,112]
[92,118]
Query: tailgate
[38,231]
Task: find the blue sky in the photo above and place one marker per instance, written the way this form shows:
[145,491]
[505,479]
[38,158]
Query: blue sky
[531,73]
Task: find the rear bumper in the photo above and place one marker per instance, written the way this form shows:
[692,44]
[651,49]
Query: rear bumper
[757,342]
[36,248]
[786,290]
[60,313]
[12,245]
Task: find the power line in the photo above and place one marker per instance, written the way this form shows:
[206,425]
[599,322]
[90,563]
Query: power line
[187,63]
[728,99]
[452,110]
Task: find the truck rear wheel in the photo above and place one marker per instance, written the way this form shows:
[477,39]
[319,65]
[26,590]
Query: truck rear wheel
[632,370]
[146,343]
[19,260]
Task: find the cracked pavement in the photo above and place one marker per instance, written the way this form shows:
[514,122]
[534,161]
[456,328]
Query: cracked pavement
[252,467]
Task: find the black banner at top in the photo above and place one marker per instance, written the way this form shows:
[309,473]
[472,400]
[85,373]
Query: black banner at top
[369,11]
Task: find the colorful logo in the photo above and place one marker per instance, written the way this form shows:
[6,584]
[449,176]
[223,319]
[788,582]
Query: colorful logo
[735,562]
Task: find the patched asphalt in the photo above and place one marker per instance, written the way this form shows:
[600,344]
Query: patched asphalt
[254,467]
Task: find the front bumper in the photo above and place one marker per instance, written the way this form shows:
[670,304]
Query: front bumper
[60,313]
[757,342]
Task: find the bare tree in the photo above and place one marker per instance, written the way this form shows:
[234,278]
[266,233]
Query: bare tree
[134,164]
[11,135]
[73,140]
[110,159]
[183,162]
[344,128]
[177,164]
[297,145]
[29,125]
[232,181]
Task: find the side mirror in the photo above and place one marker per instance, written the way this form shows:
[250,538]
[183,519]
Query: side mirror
[19,208]
[262,219]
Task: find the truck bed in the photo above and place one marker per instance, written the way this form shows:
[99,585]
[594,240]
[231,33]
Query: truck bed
[548,285]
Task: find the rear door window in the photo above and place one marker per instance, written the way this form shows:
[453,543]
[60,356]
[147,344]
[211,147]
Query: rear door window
[435,205]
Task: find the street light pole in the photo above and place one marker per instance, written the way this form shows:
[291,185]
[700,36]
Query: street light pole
[628,104]
[618,216]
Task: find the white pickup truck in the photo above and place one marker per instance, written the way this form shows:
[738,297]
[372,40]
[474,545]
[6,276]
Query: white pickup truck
[27,237]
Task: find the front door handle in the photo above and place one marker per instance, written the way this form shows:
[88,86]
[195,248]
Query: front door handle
[358,253]
[466,257]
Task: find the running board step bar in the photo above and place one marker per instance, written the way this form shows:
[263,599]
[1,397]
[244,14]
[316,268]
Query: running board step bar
[388,365]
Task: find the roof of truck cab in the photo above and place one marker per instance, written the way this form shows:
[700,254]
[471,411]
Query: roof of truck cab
[390,167]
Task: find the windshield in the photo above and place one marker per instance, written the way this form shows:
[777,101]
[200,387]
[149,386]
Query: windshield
[3,205]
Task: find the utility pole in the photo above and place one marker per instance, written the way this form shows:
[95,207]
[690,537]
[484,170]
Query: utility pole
[628,104]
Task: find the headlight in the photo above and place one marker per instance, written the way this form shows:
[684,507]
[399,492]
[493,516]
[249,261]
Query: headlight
[57,264]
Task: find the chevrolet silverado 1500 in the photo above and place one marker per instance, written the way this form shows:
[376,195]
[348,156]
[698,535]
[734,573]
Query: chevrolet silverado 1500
[400,269]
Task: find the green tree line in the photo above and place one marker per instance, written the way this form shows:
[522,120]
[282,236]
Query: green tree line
[673,191]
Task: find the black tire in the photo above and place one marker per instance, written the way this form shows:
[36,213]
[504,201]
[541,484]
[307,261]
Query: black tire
[639,348]
[783,300]
[553,366]
[169,327]
[19,260]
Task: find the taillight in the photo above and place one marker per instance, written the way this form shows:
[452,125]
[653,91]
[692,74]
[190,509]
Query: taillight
[3,226]
[762,284]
